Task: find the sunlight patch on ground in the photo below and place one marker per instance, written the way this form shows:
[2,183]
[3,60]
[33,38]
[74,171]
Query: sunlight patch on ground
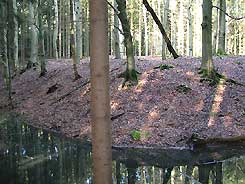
[200,105]
[114,105]
[217,102]
[154,115]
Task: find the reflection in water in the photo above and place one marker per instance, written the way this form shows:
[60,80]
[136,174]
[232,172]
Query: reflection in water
[32,156]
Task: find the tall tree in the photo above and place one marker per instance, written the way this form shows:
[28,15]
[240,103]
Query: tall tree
[116,35]
[207,65]
[159,24]
[78,12]
[165,24]
[34,39]
[190,27]
[56,30]
[100,98]
[72,37]
[222,27]
[130,74]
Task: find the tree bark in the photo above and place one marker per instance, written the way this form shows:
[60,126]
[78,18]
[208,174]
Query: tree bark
[100,98]
[165,24]
[78,13]
[159,24]
[207,62]
[34,40]
[72,38]
[56,30]
[190,29]
[222,26]
[116,35]
[130,74]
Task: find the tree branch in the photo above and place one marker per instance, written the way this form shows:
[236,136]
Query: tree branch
[232,17]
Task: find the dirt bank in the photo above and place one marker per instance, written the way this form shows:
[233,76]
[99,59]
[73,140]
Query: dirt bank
[167,107]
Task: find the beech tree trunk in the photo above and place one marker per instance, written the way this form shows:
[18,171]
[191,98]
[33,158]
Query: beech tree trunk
[16,36]
[159,24]
[72,38]
[222,26]
[165,24]
[78,14]
[190,28]
[146,33]
[34,40]
[207,62]
[100,98]
[41,50]
[130,73]
[56,30]
[116,35]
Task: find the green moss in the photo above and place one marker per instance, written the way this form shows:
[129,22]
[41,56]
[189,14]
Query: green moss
[221,53]
[138,135]
[183,89]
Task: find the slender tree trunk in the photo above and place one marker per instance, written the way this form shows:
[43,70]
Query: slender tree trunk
[207,62]
[56,29]
[16,37]
[165,36]
[165,24]
[130,73]
[41,43]
[140,31]
[72,37]
[100,98]
[34,40]
[60,29]
[78,12]
[215,31]
[222,27]
[146,33]
[190,28]
[116,35]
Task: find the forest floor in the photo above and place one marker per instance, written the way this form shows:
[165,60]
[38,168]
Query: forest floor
[165,109]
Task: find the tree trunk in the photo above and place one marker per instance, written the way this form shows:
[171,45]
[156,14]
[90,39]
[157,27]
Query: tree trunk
[100,98]
[204,171]
[207,62]
[16,37]
[222,26]
[215,31]
[190,29]
[165,36]
[146,33]
[130,73]
[165,24]
[78,12]
[41,43]
[116,35]
[56,30]
[72,38]
[34,40]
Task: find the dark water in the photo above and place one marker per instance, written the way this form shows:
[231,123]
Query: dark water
[32,156]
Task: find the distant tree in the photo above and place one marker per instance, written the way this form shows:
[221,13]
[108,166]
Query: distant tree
[222,27]
[207,65]
[130,74]
[116,35]
[56,30]
[159,24]
[100,98]
[73,42]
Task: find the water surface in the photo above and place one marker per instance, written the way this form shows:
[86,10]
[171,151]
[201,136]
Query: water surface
[34,156]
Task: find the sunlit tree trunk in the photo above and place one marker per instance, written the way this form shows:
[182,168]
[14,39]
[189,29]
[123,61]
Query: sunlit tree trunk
[222,27]
[207,62]
[215,31]
[165,24]
[146,35]
[130,73]
[34,38]
[100,98]
[73,47]
[116,35]
[159,24]
[56,29]
[59,28]
[190,29]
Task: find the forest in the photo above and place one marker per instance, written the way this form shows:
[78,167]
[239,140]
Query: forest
[126,74]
